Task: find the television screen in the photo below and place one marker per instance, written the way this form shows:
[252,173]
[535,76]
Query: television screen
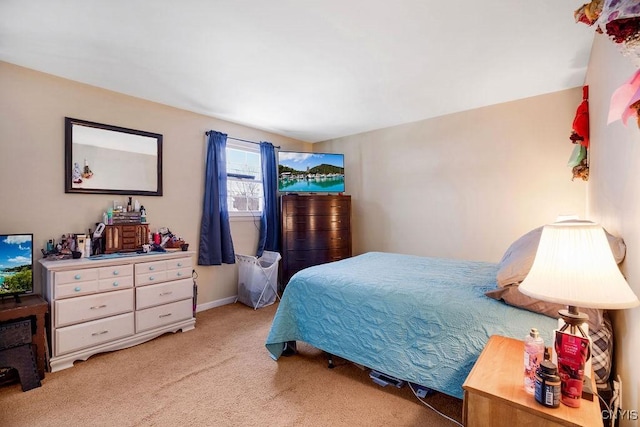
[310,172]
[16,264]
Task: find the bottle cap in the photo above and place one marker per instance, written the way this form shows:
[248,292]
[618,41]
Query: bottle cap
[534,333]
[548,367]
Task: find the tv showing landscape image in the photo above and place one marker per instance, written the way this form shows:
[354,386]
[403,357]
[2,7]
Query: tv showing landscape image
[16,264]
[310,172]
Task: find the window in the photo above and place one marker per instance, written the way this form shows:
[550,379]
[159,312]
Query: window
[245,196]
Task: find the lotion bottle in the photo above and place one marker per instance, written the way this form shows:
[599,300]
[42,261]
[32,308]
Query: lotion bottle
[533,356]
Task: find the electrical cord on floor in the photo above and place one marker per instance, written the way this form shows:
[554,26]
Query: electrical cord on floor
[432,408]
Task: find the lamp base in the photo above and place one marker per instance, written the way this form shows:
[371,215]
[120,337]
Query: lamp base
[573,320]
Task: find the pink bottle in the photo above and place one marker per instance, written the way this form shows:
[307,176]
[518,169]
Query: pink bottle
[533,355]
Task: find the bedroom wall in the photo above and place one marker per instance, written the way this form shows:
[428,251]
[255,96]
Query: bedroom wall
[32,110]
[463,185]
[614,198]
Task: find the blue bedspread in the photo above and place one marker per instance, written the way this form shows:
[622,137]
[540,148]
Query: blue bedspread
[423,320]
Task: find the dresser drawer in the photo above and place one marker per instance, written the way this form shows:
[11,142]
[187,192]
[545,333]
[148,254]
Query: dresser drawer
[180,263]
[76,289]
[76,276]
[149,296]
[178,274]
[297,260]
[156,317]
[151,272]
[129,231]
[317,222]
[89,334]
[150,267]
[151,278]
[315,239]
[314,206]
[74,310]
[115,283]
[115,271]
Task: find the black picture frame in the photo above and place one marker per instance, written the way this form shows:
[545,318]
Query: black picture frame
[107,159]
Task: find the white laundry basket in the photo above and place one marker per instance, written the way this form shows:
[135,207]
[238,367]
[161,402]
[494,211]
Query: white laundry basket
[258,279]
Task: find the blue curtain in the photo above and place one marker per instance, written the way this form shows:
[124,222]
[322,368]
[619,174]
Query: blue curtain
[269,224]
[216,246]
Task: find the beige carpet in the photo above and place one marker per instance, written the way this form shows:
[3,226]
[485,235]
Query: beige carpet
[219,374]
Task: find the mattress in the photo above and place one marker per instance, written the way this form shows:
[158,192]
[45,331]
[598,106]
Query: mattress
[420,319]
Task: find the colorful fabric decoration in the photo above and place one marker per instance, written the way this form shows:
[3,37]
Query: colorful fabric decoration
[579,161]
[625,100]
[589,13]
[580,132]
[619,19]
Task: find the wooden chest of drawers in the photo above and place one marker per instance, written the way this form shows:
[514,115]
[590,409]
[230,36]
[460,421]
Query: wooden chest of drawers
[114,303]
[315,229]
[125,237]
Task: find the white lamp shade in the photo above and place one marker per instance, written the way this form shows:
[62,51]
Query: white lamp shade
[574,266]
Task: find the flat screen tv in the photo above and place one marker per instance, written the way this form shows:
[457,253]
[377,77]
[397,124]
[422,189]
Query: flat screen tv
[16,264]
[310,172]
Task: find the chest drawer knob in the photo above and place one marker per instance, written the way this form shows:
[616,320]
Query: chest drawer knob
[77,277]
[152,268]
[77,289]
[116,272]
[179,264]
[115,284]
[179,274]
[151,278]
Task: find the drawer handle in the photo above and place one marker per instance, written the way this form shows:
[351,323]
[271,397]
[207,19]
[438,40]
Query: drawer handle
[115,284]
[164,315]
[152,278]
[152,268]
[95,307]
[99,333]
[77,277]
[77,289]
[179,274]
[116,272]
[179,264]
[166,293]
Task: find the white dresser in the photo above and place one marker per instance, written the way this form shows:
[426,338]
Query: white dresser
[111,303]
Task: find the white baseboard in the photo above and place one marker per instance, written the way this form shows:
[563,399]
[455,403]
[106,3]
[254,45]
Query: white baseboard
[216,303]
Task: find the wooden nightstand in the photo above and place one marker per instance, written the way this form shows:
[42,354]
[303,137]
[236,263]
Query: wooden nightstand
[494,393]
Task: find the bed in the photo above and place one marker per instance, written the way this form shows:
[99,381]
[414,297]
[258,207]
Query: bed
[419,319]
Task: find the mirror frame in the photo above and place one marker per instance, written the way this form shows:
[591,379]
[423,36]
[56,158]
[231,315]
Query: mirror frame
[69,143]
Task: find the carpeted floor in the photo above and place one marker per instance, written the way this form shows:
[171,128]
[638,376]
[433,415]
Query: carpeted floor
[219,374]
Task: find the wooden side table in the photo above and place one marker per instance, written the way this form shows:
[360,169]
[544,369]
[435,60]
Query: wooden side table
[35,308]
[494,393]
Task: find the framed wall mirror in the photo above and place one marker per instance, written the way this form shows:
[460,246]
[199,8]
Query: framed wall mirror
[107,159]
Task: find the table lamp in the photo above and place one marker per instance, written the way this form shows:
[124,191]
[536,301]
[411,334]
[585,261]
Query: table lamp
[574,266]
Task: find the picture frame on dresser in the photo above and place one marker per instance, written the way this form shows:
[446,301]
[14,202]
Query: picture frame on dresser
[99,305]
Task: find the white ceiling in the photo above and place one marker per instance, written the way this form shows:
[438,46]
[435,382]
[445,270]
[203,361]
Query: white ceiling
[308,69]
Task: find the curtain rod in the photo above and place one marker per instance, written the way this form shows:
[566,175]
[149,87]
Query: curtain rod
[243,140]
